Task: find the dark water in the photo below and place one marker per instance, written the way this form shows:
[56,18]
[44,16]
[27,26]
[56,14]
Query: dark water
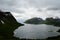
[41,31]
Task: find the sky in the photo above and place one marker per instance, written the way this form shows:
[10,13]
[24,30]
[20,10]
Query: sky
[26,9]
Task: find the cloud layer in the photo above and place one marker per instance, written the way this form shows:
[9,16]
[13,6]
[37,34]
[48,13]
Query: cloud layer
[25,9]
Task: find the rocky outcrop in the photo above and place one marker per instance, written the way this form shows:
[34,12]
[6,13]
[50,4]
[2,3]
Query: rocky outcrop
[8,24]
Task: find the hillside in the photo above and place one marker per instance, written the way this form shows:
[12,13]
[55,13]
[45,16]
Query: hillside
[48,21]
[7,25]
[34,20]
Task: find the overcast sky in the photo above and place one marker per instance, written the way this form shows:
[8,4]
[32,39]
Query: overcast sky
[25,9]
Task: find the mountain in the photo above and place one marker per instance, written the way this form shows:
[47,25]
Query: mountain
[53,21]
[34,20]
[48,21]
[7,25]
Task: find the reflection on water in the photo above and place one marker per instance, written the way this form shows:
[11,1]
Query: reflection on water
[41,31]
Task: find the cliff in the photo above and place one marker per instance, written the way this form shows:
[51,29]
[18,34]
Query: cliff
[7,25]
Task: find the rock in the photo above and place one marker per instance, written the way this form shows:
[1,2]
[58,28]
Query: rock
[8,24]
[58,30]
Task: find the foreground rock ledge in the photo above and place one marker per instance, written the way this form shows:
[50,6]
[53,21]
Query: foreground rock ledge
[7,25]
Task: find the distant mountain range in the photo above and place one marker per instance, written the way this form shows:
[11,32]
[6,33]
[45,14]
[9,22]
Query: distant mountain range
[50,21]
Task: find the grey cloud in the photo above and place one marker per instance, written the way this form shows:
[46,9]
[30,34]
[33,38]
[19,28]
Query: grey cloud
[44,3]
[39,10]
[15,5]
[54,9]
[12,5]
[7,2]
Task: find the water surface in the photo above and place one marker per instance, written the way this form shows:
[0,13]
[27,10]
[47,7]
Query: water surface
[41,31]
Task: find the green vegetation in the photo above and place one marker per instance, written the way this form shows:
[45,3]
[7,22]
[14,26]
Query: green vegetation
[7,25]
[53,21]
[49,21]
[34,21]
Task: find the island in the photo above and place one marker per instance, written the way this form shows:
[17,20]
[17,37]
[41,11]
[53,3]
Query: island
[7,25]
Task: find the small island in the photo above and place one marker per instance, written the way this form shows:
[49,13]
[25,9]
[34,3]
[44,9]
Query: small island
[7,25]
